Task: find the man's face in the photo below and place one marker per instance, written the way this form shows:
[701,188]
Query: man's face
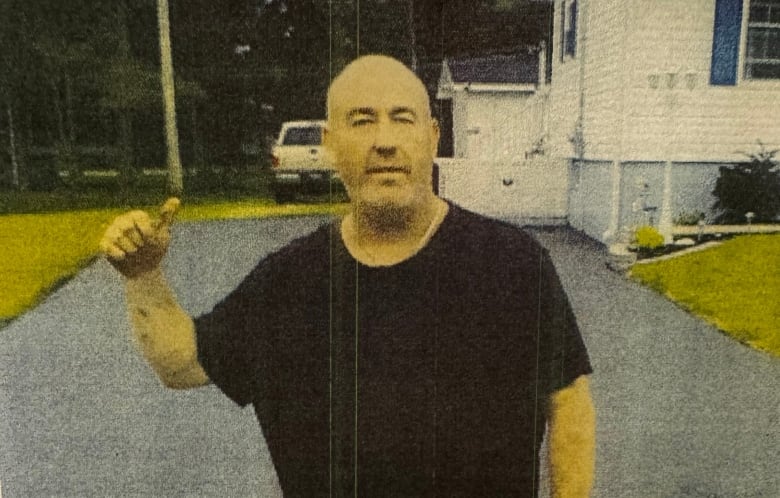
[383,138]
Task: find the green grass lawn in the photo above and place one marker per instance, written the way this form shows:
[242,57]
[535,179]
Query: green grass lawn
[40,250]
[735,286]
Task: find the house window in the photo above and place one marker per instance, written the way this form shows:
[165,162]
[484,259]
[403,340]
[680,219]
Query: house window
[762,59]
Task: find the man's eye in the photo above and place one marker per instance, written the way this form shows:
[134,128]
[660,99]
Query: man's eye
[362,121]
[404,119]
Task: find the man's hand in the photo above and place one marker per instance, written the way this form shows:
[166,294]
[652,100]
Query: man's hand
[135,244]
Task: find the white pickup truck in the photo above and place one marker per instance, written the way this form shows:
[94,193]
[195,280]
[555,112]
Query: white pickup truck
[299,162]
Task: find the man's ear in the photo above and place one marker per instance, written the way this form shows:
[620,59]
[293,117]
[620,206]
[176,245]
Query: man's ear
[326,137]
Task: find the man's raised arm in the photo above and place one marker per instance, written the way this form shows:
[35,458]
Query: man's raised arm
[135,245]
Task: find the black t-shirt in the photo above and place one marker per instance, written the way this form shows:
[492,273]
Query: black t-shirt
[431,377]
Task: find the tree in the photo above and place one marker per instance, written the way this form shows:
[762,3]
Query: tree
[453,28]
[6,91]
[750,187]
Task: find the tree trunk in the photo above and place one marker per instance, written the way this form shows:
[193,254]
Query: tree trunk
[124,115]
[69,122]
[12,149]
[175,181]
[62,105]
[55,91]
[197,145]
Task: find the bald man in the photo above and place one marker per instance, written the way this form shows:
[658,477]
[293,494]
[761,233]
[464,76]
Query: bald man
[410,349]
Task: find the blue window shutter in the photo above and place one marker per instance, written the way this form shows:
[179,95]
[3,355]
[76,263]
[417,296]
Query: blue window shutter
[725,42]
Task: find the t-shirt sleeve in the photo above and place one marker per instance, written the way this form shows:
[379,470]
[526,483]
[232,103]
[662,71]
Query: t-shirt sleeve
[562,345]
[234,340]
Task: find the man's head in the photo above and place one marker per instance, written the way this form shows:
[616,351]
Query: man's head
[381,133]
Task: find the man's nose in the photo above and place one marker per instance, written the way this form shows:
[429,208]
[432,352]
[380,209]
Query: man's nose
[384,140]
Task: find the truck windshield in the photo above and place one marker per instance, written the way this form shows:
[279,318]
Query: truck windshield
[310,135]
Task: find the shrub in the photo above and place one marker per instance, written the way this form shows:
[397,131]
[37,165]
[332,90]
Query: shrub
[689,218]
[753,186]
[647,237]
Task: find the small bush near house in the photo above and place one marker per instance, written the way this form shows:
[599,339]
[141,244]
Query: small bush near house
[648,238]
[753,186]
[689,218]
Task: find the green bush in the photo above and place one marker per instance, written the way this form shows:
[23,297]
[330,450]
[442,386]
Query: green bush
[647,237]
[689,218]
[753,186]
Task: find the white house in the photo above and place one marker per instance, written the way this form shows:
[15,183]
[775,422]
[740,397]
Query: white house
[648,98]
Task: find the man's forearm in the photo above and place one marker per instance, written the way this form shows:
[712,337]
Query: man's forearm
[572,441]
[164,331]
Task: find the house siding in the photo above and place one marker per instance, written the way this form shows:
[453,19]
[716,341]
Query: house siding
[590,196]
[647,102]
[672,112]
[646,93]
[564,93]
[605,75]
[692,193]
[460,119]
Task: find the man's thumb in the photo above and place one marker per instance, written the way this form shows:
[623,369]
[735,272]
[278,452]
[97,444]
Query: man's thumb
[168,211]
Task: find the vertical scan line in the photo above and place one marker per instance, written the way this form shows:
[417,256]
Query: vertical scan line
[536,387]
[357,28]
[436,377]
[357,334]
[330,288]
[330,364]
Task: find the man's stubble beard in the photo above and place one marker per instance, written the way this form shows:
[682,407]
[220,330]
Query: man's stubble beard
[385,218]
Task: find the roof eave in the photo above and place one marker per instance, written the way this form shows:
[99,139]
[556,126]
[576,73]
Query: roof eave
[497,87]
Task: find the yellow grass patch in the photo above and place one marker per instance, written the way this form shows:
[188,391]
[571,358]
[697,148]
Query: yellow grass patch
[39,250]
[735,286]
[255,209]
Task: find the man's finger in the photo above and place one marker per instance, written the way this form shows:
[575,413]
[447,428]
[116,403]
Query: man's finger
[126,244]
[142,223]
[168,211]
[112,251]
[124,234]
[134,235]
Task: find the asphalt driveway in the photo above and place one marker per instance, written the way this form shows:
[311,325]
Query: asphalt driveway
[682,409]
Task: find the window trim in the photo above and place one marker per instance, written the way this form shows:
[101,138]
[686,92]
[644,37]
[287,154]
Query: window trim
[565,28]
[562,32]
[742,79]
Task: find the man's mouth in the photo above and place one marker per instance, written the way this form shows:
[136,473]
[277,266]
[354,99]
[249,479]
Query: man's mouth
[372,170]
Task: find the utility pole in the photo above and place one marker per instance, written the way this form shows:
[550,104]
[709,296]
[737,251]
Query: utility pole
[175,180]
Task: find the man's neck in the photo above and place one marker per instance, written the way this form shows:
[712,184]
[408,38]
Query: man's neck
[383,236]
